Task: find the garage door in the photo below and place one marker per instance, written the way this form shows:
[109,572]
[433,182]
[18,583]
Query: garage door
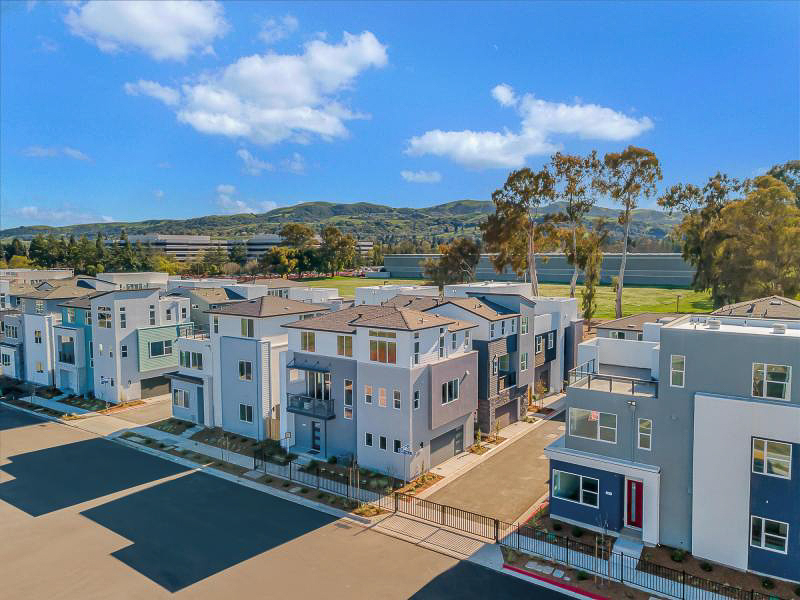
[447,445]
[155,386]
[507,414]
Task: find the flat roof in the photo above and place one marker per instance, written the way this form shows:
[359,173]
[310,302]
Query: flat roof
[739,325]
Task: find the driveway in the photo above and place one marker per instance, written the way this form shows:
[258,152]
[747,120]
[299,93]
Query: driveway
[505,485]
[130,525]
[144,414]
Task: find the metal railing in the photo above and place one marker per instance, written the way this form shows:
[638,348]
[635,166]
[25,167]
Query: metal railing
[506,380]
[67,358]
[192,332]
[580,372]
[449,516]
[618,384]
[312,407]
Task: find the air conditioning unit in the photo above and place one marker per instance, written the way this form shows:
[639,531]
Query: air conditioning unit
[713,323]
[779,328]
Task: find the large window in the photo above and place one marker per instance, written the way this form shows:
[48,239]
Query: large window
[772,458]
[768,534]
[576,488]
[348,399]
[123,319]
[449,391]
[771,381]
[645,434]
[383,351]
[617,335]
[6,360]
[246,413]
[104,317]
[163,348]
[318,385]
[677,370]
[180,398]
[308,341]
[523,361]
[245,370]
[40,306]
[344,345]
[593,425]
[248,328]
[191,360]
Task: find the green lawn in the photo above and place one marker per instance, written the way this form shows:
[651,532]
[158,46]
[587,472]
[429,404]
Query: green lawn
[634,299]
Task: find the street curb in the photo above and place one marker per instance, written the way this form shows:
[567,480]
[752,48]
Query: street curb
[38,415]
[554,585]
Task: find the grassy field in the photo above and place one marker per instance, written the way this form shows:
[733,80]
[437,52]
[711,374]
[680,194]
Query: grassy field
[634,299]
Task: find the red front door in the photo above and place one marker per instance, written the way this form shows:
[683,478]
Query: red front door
[634,512]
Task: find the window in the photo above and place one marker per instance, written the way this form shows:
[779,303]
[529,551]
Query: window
[550,340]
[441,346]
[771,381]
[523,361]
[123,351]
[503,363]
[246,413]
[21,304]
[453,342]
[449,391]
[467,339]
[37,336]
[494,365]
[396,399]
[382,442]
[104,317]
[645,434]
[39,367]
[539,344]
[677,368]
[344,345]
[618,335]
[163,348]
[318,385]
[593,425]
[491,330]
[88,317]
[191,360]
[169,314]
[769,535]
[367,439]
[70,315]
[639,337]
[383,351]
[40,306]
[122,318]
[152,314]
[397,445]
[183,312]
[772,458]
[576,488]
[245,370]
[416,353]
[307,341]
[382,397]
[247,328]
[180,398]
[523,325]
[502,327]
[215,322]
[348,399]
[11,331]
[367,394]
[513,325]
[416,399]
[6,360]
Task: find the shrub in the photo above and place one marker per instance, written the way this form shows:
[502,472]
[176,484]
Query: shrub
[797,591]
[557,526]
[286,484]
[162,445]
[331,460]
[767,583]
[582,576]
[678,555]
[706,567]
[268,480]
[304,491]
[321,495]
[577,532]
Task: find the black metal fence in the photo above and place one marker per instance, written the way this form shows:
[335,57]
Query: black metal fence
[447,516]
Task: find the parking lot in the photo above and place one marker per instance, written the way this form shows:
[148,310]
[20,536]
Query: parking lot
[89,518]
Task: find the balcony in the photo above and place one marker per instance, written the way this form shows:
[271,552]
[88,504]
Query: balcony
[506,380]
[192,332]
[311,407]
[68,358]
[585,377]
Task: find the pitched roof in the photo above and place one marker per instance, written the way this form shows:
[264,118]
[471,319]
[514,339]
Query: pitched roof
[57,293]
[212,295]
[19,288]
[413,302]
[636,322]
[266,306]
[482,308]
[341,321]
[406,319]
[379,317]
[84,301]
[771,307]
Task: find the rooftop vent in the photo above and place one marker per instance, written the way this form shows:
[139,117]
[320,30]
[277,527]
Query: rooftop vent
[713,324]
[775,302]
[779,328]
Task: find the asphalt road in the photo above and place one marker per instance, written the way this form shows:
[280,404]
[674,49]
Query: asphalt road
[87,518]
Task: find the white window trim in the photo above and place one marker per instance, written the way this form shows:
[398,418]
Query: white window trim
[539,344]
[599,415]
[241,404]
[243,371]
[397,398]
[550,340]
[787,383]
[639,435]
[763,533]
[673,371]
[582,477]
[764,472]
[416,399]
[523,364]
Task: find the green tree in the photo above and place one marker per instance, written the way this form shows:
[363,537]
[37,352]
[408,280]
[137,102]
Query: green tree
[628,176]
[297,235]
[278,260]
[15,248]
[575,177]
[238,253]
[336,250]
[590,258]
[511,232]
[39,251]
[213,259]
[789,173]
[20,262]
[456,264]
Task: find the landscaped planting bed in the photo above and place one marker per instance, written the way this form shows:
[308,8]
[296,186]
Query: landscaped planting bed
[172,425]
[48,392]
[36,408]
[419,484]
[226,441]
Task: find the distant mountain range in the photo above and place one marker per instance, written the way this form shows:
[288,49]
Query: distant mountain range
[364,220]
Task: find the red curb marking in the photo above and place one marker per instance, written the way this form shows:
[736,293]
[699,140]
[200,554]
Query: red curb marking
[556,583]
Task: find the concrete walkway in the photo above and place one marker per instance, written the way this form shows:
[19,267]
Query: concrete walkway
[54,404]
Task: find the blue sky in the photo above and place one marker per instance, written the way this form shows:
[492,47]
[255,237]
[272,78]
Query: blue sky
[136,111]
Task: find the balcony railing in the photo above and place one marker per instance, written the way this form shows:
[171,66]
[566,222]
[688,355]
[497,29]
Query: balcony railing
[312,407]
[192,332]
[66,358]
[586,377]
[581,372]
[506,380]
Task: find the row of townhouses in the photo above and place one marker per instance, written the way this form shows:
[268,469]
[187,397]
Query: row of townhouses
[685,431]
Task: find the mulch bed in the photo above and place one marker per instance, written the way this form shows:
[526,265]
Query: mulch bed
[234,443]
[48,392]
[35,408]
[172,425]
[421,483]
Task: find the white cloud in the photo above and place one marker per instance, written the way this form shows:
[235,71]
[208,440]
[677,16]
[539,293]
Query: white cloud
[540,121]
[167,95]
[274,97]
[294,164]
[252,164]
[54,151]
[47,45]
[229,204]
[158,194]
[164,29]
[275,30]
[421,176]
[33,214]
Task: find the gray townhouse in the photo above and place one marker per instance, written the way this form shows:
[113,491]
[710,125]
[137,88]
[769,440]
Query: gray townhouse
[394,389]
[228,375]
[690,438]
[203,299]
